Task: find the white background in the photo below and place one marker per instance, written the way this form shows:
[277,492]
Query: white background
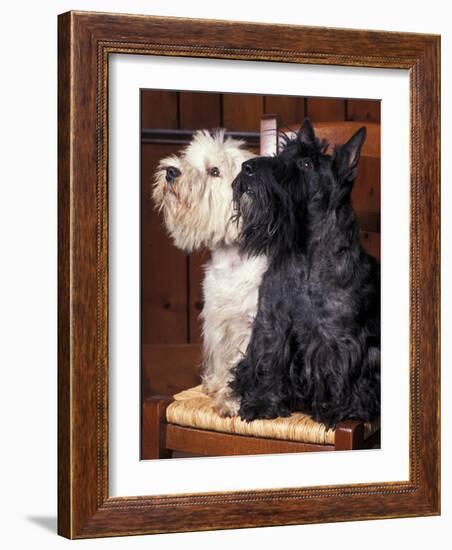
[28,271]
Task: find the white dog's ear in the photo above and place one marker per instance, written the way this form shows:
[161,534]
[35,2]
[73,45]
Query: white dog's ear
[218,134]
[200,134]
[306,134]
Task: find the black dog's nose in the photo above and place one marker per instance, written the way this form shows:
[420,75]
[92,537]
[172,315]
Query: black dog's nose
[247,169]
[172,173]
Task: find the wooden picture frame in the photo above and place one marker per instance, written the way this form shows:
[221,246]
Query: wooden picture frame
[85,508]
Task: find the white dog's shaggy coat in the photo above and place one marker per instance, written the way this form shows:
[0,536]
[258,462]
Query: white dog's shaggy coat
[198,212]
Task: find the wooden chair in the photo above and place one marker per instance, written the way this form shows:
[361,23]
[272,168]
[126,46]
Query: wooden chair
[172,424]
[161,437]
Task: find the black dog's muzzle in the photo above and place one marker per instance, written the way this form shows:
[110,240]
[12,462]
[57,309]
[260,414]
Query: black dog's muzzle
[244,182]
[248,169]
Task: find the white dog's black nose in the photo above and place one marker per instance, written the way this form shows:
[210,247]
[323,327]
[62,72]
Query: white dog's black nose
[172,173]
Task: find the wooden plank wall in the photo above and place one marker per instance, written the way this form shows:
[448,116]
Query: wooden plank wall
[170,280]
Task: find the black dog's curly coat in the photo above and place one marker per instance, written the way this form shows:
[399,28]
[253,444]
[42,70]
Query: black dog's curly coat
[315,344]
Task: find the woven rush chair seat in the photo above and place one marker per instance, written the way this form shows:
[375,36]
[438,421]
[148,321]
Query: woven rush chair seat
[193,409]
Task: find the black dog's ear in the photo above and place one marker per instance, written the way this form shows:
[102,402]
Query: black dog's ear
[346,157]
[306,134]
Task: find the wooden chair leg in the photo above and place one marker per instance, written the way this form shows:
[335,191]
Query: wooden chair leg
[349,435]
[153,428]
[373,441]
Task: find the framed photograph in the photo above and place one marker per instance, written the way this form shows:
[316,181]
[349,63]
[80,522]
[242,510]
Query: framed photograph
[248,275]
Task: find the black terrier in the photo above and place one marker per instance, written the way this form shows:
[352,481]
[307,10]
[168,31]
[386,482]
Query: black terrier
[315,344]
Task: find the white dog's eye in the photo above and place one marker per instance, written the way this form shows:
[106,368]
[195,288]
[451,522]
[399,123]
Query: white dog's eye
[214,172]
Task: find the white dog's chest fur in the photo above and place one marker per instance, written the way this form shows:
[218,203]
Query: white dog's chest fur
[231,287]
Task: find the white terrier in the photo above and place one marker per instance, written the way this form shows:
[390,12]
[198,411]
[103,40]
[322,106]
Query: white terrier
[194,191]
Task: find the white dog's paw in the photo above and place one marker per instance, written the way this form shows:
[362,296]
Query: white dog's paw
[227,407]
[209,389]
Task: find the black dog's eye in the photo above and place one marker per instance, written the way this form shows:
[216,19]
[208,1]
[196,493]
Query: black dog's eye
[214,172]
[306,164]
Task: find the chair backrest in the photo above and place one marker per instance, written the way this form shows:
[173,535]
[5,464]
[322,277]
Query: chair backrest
[269,135]
[332,132]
